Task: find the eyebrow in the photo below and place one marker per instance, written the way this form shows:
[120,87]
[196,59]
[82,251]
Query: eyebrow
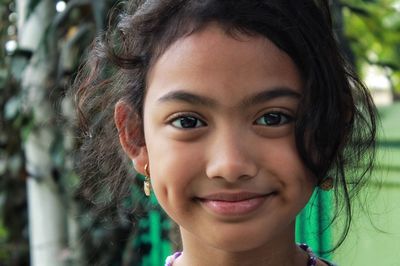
[270,94]
[183,96]
[257,98]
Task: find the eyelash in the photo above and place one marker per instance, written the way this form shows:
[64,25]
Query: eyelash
[275,115]
[181,116]
[282,117]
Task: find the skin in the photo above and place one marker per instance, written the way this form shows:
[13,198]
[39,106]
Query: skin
[221,87]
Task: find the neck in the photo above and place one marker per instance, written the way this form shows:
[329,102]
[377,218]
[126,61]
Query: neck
[279,251]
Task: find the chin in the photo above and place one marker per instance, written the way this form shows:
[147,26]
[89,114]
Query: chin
[240,240]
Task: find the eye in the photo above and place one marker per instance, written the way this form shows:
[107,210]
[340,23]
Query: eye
[187,122]
[274,119]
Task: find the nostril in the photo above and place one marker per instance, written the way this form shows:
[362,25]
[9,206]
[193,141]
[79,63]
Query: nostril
[232,171]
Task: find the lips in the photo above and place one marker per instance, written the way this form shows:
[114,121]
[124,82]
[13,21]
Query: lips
[238,196]
[233,204]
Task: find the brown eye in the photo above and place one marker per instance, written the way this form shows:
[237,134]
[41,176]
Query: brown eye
[274,119]
[187,122]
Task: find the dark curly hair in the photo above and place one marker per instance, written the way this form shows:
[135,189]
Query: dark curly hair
[336,125]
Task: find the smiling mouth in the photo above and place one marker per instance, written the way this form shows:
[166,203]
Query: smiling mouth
[234,204]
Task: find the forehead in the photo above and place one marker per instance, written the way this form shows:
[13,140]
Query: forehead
[212,60]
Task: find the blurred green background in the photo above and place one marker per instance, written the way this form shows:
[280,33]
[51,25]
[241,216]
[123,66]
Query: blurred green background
[42,219]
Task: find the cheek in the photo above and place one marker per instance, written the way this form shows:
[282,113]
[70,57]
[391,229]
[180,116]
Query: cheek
[296,181]
[174,166]
[172,158]
[285,163]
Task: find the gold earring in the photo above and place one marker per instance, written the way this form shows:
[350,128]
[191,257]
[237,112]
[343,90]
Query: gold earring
[326,184]
[146,183]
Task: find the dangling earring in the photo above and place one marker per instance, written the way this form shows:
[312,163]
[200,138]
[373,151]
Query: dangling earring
[146,183]
[326,184]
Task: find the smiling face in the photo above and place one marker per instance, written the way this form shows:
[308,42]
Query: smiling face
[219,117]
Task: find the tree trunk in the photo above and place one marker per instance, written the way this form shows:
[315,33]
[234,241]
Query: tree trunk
[45,205]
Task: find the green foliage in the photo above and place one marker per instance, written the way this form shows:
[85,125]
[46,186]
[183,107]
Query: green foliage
[3,240]
[372,28]
[13,216]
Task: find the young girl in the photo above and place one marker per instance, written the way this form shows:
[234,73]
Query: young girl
[235,111]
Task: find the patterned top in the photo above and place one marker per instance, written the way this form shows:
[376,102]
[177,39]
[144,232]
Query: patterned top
[170,260]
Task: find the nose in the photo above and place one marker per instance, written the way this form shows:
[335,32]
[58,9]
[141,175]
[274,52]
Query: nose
[231,158]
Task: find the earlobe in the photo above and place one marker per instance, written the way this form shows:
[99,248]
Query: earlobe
[130,134]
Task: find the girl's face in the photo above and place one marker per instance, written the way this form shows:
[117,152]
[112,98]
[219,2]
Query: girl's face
[219,131]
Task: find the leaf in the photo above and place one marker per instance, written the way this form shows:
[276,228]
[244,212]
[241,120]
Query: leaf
[3,78]
[12,107]
[26,130]
[358,10]
[18,65]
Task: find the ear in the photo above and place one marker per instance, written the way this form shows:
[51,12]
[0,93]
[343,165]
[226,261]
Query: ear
[130,133]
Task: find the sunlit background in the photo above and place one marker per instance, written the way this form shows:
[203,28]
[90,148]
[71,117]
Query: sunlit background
[42,219]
